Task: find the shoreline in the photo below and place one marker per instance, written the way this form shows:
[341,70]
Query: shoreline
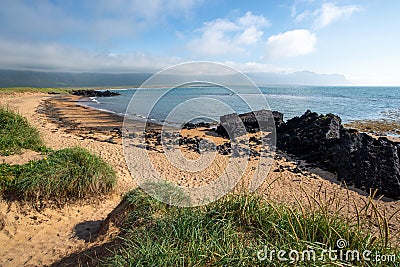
[57,233]
[375,126]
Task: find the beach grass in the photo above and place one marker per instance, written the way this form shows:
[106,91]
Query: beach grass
[35,90]
[61,90]
[63,175]
[67,174]
[237,230]
[17,134]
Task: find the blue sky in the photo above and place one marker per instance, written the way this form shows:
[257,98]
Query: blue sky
[359,39]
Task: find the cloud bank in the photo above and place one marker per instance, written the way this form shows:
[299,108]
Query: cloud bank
[93,22]
[56,57]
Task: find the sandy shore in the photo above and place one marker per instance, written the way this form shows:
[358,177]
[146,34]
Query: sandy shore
[31,237]
[37,238]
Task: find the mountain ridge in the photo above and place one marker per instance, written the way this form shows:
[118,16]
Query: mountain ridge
[22,78]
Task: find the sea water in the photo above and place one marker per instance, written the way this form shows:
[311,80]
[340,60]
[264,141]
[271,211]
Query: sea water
[349,102]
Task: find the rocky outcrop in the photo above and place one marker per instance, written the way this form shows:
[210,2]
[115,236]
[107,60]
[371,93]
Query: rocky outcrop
[310,136]
[230,126]
[278,118]
[238,125]
[94,93]
[357,158]
[368,163]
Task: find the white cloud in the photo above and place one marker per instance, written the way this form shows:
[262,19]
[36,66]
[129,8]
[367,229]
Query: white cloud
[302,16]
[55,57]
[250,20]
[329,13]
[290,44]
[102,20]
[249,36]
[224,36]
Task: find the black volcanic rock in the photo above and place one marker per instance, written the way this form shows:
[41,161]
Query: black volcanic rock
[278,118]
[368,163]
[190,125]
[357,158]
[94,93]
[310,136]
[238,125]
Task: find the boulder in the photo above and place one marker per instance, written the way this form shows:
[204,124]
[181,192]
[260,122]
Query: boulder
[278,118]
[190,125]
[357,158]
[310,136]
[367,162]
[238,125]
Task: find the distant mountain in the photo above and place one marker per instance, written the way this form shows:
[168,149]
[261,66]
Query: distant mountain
[298,78]
[15,78]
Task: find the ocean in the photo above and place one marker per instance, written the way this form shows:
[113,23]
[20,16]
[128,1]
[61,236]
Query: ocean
[207,103]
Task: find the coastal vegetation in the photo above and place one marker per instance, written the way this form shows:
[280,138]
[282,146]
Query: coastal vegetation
[241,230]
[67,174]
[53,90]
[16,133]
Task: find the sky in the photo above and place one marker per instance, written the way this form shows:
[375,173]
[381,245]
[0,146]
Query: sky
[359,39]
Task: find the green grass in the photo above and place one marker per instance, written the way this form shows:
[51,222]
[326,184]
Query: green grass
[68,174]
[16,133]
[34,89]
[63,90]
[230,232]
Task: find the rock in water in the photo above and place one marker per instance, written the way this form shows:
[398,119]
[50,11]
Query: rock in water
[94,93]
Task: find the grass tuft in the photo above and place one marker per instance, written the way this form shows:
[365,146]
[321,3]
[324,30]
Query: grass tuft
[230,232]
[68,174]
[8,90]
[16,133]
